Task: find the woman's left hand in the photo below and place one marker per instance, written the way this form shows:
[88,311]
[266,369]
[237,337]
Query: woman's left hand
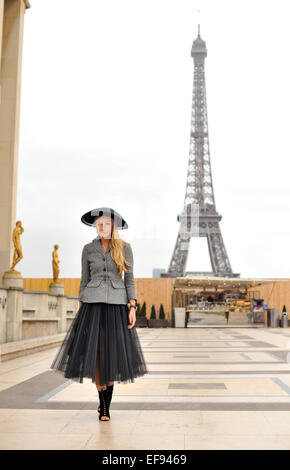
[132,318]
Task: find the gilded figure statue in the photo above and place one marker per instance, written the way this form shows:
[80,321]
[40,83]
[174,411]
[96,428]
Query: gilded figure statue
[55,263]
[17,255]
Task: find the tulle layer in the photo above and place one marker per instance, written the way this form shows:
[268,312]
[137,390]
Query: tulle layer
[98,344]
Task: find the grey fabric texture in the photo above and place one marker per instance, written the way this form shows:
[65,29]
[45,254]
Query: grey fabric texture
[100,279]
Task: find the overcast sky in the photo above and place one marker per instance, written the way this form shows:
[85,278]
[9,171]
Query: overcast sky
[105,121]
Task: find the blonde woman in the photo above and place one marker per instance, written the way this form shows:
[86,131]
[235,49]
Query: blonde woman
[102,342]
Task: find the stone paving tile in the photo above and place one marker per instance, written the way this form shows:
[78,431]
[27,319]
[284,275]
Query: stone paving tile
[139,440]
[42,441]
[229,442]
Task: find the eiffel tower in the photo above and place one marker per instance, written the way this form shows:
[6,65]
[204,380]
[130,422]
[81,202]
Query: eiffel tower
[199,216]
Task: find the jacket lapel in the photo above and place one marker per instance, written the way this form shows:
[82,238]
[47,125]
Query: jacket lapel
[97,242]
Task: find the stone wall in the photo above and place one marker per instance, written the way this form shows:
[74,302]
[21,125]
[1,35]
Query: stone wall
[33,315]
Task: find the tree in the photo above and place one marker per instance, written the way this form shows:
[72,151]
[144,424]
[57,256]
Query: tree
[161,312]
[153,313]
[143,310]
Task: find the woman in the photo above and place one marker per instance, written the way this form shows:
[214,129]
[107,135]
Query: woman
[102,343]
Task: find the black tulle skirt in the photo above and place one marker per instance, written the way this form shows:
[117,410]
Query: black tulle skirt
[99,344]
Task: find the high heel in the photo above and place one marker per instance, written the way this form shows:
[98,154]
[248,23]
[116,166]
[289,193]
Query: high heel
[104,408]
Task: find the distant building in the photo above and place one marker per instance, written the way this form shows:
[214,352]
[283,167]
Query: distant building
[157,271]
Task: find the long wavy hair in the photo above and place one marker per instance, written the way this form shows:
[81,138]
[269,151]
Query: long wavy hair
[117,253]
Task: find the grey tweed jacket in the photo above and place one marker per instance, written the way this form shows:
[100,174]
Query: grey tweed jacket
[100,281]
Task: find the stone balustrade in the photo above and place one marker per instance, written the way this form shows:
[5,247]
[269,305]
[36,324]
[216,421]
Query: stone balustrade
[32,320]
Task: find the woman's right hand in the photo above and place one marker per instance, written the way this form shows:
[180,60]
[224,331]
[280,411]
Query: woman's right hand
[80,304]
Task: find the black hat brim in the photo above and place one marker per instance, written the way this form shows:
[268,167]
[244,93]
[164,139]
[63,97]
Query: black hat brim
[89,217]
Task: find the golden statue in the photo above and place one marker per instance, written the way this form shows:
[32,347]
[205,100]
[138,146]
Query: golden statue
[17,255]
[55,263]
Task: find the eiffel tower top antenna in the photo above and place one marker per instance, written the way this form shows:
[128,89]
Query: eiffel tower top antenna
[198,16]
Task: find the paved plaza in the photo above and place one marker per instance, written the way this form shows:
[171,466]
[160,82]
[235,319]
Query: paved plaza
[207,388]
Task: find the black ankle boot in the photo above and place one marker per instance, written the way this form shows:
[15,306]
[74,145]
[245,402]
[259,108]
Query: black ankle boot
[110,389]
[104,405]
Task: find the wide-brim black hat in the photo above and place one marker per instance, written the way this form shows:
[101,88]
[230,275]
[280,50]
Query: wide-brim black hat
[89,217]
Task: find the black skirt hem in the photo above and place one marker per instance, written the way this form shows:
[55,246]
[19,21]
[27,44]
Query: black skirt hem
[100,331]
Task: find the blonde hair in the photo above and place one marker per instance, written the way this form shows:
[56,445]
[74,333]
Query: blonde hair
[117,249]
